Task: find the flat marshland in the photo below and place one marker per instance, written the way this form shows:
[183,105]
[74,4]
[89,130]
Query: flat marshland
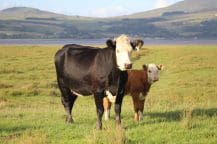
[180,108]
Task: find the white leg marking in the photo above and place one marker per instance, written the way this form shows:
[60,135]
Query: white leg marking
[110,97]
[107,114]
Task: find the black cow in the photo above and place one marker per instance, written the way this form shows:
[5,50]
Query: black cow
[85,70]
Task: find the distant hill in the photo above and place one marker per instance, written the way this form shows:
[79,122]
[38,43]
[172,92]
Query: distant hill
[185,19]
[26,12]
[24,22]
[186,6]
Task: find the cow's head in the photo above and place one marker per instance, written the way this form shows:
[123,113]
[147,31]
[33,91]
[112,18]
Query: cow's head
[123,48]
[152,72]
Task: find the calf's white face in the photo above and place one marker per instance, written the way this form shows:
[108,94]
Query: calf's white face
[152,72]
[123,52]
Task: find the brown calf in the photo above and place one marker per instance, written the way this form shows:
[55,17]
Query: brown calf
[138,85]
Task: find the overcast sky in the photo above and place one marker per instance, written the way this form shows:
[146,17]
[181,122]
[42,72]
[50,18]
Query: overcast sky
[95,8]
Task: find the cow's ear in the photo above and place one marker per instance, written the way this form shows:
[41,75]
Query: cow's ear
[111,43]
[160,67]
[137,44]
[145,67]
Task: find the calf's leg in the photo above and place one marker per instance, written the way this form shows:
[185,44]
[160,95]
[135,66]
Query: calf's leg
[107,107]
[136,105]
[141,109]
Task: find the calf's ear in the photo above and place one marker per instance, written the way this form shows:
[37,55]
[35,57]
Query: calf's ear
[137,44]
[145,67]
[111,43]
[160,67]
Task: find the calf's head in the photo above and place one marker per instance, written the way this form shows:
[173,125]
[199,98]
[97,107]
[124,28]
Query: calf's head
[123,49]
[152,72]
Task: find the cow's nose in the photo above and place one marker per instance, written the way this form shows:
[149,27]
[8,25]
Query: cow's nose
[128,66]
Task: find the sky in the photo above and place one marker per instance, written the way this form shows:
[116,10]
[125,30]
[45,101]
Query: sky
[92,8]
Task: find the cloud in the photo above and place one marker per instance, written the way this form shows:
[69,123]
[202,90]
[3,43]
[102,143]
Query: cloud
[161,3]
[109,11]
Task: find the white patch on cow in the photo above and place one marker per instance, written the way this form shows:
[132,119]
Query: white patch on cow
[123,51]
[110,96]
[77,94]
[137,48]
[152,73]
[141,97]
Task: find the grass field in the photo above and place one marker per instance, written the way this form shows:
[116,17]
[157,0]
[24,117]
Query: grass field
[181,107]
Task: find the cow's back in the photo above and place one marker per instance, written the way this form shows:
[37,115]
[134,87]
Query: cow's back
[82,68]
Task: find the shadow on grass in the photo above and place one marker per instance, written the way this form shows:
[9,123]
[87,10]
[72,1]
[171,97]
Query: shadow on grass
[178,115]
[173,116]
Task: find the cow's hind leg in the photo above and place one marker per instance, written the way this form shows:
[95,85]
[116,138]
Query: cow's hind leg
[68,99]
[98,96]
[68,102]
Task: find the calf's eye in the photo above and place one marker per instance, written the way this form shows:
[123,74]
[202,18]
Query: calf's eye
[149,71]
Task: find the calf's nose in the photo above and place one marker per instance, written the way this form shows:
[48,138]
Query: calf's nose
[156,79]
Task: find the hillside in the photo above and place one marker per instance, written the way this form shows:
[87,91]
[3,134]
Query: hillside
[24,22]
[22,13]
[185,19]
[186,6]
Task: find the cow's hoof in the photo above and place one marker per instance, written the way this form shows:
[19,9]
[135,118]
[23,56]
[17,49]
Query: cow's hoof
[120,126]
[99,125]
[69,120]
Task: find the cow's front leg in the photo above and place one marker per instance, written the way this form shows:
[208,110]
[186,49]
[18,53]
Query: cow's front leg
[118,104]
[120,94]
[98,96]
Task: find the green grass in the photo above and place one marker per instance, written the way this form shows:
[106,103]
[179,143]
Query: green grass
[181,108]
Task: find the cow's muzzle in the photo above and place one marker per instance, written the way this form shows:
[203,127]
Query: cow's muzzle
[128,66]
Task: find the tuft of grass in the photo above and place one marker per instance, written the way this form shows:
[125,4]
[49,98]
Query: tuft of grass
[28,138]
[187,118]
[109,135]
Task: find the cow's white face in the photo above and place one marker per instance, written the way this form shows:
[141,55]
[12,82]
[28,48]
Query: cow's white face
[123,52]
[123,48]
[152,72]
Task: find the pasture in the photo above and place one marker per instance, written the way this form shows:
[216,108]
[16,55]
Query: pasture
[180,108]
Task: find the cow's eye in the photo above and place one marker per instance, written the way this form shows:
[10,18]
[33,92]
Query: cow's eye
[149,71]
